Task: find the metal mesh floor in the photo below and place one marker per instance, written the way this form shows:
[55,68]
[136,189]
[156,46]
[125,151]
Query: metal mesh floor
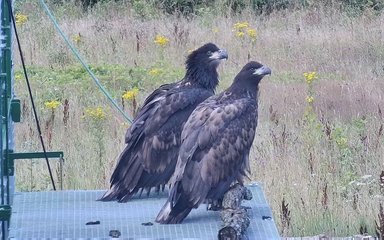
[64,214]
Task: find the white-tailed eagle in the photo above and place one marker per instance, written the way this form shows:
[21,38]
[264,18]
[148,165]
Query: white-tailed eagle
[153,139]
[216,140]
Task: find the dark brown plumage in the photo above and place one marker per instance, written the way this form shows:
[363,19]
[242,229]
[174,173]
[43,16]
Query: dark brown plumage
[216,140]
[153,139]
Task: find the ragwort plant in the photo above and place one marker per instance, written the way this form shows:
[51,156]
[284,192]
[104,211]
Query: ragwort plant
[162,42]
[312,133]
[51,106]
[95,118]
[131,97]
[247,35]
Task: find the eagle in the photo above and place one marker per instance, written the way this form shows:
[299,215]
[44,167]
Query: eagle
[153,140]
[215,145]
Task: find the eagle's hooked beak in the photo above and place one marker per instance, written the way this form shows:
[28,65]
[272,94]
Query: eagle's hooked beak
[219,54]
[264,70]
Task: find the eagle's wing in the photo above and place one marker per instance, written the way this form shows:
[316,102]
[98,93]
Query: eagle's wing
[150,106]
[154,137]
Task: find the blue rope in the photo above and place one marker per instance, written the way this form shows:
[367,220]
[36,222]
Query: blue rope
[77,54]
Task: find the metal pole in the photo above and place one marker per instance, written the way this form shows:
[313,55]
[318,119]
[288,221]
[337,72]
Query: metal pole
[6,91]
[2,80]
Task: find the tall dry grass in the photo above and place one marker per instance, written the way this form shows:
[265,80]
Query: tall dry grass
[320,171]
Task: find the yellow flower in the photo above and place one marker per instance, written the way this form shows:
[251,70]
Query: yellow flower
[76,38]
[240,25]
[52,104]
[240,34]
[215,30]
[131,94]
[242,29]
[309,99]
[161,40]
[341,141]
[252,33]
[18,76]
[95,113]
[21,19]
[310,76]
[155,71]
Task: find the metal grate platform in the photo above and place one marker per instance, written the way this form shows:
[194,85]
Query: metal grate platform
[64,214]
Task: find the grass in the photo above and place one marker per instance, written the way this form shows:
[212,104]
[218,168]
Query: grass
[319,162]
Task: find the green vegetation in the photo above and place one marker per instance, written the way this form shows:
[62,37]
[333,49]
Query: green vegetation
[319,147]
[146,8]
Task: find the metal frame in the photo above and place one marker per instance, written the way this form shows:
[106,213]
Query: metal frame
[6,138]
[5,94]
[9,114]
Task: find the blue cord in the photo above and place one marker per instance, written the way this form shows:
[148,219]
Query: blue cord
[76,53]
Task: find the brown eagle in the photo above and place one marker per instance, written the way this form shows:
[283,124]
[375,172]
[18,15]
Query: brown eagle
[216,140]
[153,139]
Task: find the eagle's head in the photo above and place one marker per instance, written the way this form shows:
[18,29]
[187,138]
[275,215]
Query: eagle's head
[207,56]
[202,65]
[253,72]
[248,79]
